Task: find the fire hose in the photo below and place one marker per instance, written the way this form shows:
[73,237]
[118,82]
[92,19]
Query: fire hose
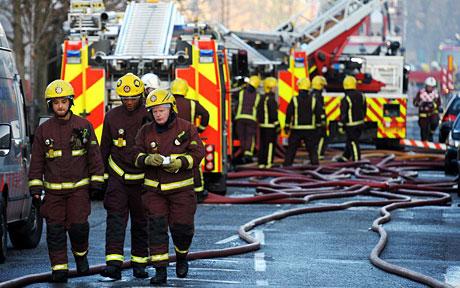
[391,177]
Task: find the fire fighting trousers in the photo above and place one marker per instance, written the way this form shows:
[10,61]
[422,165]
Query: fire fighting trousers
[122,201]
[175,211]
[428,126]
[310,138]
[352,150]
[322,143]
[66,211]
[267,147]
[246,132]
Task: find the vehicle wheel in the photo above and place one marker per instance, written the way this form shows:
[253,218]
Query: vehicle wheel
[388,144]
[215,183]
[3,235]
[450,168]
[27,234]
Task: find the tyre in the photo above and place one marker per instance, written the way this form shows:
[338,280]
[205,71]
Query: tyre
[27,234]
[3,229]
[388,144]
[450,167]
[215,183]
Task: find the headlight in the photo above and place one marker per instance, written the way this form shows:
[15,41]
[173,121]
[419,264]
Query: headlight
[452,142]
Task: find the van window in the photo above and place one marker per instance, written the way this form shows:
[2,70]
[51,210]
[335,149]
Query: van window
[10,108]
[7,67]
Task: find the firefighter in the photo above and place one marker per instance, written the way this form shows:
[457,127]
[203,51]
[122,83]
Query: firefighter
[269,127]
[191,111]
[428,102]
[317,84]
[353,109]
[168,149]
[67,164]
[246,118]
[123,195]
[151,82]
[302,121]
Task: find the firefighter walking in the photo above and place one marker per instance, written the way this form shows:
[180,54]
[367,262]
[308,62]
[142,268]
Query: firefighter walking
[269,126]
[428,102]
[67,164]
[317,84]
[246,118]
[123,195]
[191,110]
[302,116]
[168,149]
[353,109]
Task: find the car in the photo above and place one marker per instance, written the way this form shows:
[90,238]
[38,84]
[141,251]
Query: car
[453,144]
[18,217]
[449,116]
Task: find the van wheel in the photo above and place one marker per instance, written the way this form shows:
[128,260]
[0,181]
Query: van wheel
[27,234]
[3,235]
[215,183]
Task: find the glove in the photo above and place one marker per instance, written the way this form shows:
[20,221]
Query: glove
[174,166]
[154,160]
[36,200]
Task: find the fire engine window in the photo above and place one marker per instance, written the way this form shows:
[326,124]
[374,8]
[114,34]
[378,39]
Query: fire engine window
[391,110]
[9,110]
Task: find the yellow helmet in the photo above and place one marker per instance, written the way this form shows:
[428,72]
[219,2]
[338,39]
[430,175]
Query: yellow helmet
[318,82]
[160,97]
[269,83]
[59,88]
[304,83]
[129,85]
[254,81]
[179,87]
[349,83]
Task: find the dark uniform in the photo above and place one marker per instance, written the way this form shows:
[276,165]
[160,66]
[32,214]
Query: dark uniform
[353,110]
[123,196]
[190,110]
[428,112]
[67,163]
[322,129]
[269,127]
[302,118]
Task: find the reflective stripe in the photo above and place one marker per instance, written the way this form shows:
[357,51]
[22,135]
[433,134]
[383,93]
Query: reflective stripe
[106,176]
[97,178]
[320,145]
[151,183]
[202,127]
[180,251]
[252,116]
[80,253]
[355,150]
[80,152]
[303,127]
[190,161]
[120,142]
[114,257]
[296,126]
[270,154]
[122,173]
[267,125]
[193,143]
[175,185]
[66,185]
[192,111]
[35,182]
[159,257]
[354,123]
[137,259]
[53,154]
[60,267]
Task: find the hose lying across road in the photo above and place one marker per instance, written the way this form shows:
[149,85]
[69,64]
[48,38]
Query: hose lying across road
[390,177]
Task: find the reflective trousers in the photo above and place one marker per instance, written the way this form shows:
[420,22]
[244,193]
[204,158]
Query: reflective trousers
[352,150]
[428,126]
[246,132]
[310,138]
[267,147]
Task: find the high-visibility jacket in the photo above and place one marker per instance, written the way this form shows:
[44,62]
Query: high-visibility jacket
[318,95]
[427,103]
[248,100]
[353,108]
[303,112]
[190,110]
[267,112]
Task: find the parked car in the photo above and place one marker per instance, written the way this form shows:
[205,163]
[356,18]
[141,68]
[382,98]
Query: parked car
[449,116]
[18,216]
[453,144]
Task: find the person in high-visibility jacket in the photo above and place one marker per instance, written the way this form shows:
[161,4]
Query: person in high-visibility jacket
[66,163]
[353,109]
[428,102]
[317,84]
[269,126]
[168,149]
[191,111]
[246,118]
[302,121]
[123,195]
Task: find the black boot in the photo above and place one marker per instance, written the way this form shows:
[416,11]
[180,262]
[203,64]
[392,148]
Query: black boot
[181,267]
[82,264]
[139,271]
[112,271]
[200,196]
[59,276]
[160,276]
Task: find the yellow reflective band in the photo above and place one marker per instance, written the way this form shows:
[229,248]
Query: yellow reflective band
[266,111]
[296,117]
[114,257]
[80,253]
[303,127]
[106,176]
[120,142]
[60,267]
[122,173]
[239,114]
[192,111]
[355,150]
[267,125]
[175,185]
[35,182]
[193,143]
[93,142]
[159,257]
[66,185]
[180,251]
[201,127]
[198,189]
[80,152]
[53,154]
[137,259]
[354,123]
[97,178]
[151,183]
[134,176]
[190,161]
[270,154]
[320,145]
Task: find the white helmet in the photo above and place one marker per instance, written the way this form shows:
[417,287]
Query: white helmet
[151,82]
[430,81]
